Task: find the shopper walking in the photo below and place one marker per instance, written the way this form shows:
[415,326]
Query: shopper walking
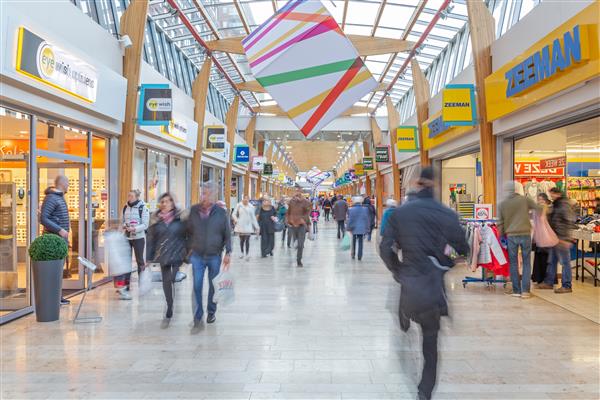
[422,229]
[372,216]
[359,222]
[390,205]
[209,233]
[245,225]
[314,218]
[54,214]
[266,222]
[299,222]
[136,219]
[166,244]
[340,211]
[562,222]
[327,208]
[513,221]
[281,211]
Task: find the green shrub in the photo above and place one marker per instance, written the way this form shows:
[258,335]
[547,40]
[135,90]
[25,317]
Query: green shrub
[48,247]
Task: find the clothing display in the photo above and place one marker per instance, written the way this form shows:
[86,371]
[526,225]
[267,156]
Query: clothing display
[487,249]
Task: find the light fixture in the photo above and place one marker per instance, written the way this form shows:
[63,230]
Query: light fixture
[125,42]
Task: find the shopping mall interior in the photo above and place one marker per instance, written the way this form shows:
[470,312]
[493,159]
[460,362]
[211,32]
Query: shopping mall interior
[300,118]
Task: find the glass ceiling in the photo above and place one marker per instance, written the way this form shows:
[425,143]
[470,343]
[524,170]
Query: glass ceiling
[398,19]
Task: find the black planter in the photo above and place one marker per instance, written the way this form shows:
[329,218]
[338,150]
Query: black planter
[47,289]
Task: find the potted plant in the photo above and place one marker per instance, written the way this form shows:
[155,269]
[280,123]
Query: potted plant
[47,253]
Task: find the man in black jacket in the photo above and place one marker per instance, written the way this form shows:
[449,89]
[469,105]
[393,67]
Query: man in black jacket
[209,232]
[421,229]
[54,213]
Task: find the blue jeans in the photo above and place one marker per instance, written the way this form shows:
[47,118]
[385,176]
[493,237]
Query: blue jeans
[562,254]
[524,242]
[199,265]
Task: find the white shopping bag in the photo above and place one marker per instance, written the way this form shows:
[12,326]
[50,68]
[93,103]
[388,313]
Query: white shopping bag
[223,284]
[118,252]
[145,281]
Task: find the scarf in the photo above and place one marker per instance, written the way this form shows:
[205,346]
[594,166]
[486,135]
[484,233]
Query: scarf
[167,217]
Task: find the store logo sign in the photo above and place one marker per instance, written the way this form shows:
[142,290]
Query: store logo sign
[214,139]
[458,105]
[241,154]
[562,54]
[437,126]
[156,105]
[406,139]
[44,62]
[176,129]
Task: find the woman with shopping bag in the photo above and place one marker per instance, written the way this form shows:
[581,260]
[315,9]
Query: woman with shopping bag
[167,244]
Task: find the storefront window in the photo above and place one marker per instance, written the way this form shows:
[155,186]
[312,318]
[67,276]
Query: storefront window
[139,171]
[177,181]
[158,168]
[100,211]
[14,210]
[567,158]
[62,139]
[207,173]
[462,184]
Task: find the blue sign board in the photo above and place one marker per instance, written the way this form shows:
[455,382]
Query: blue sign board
[241,154]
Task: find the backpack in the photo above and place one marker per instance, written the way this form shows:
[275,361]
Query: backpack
[141,211]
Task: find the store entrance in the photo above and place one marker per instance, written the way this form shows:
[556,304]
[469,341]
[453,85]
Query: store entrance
[75,198]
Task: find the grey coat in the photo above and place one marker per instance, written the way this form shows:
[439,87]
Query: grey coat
[340,209]
[54,214]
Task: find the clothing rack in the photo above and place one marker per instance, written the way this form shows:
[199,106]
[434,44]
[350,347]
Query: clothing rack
[489,281]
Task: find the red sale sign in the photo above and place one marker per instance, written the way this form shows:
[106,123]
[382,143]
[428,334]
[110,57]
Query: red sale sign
[533,168]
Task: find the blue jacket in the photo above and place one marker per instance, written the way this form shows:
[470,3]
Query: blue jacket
[359,220]
[384,218]
[54,214]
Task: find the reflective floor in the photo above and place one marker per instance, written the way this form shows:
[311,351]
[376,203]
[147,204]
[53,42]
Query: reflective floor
[325,331]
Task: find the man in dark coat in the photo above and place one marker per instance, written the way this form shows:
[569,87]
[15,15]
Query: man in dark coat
[54,213]
[422,229]
[340,213]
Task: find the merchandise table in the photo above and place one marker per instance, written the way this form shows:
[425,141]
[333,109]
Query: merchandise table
[593,238]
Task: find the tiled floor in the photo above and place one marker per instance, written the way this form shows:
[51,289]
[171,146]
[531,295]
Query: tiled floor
[322,332]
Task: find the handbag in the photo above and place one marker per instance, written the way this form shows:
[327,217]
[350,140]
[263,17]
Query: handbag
[278,226]
[543,235]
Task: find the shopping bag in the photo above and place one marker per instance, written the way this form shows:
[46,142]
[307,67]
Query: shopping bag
[145,281]
[118,253]
[543,235]
[346,242]
[278,225]
[223,284]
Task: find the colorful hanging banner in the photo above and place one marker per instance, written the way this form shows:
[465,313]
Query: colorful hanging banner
[458,105]
[368,164]
[407,139]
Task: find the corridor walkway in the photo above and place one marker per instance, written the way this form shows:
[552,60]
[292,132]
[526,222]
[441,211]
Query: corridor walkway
[321,332]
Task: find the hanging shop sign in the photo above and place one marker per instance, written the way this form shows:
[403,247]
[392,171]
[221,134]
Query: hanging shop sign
[49,64]
[358,169]
[367,163]
[267,169]
[281,177]
[258,163]
[156,104]
[175,129]
[458,105]
[534,169]
[483,211]
[436,131]
[241,154]
[407,139]
[382,154]
[556,162]
[564,58]
[214,139]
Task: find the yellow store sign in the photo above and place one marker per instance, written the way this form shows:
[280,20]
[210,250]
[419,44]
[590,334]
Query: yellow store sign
[564,58]
[406,139]
[458,105]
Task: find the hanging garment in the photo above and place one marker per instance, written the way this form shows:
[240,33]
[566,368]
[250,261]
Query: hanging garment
[476,243]
[494,250]
[519,188]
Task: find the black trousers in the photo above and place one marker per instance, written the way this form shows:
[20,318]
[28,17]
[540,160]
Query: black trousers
[138,250]
[327,211]
[314,225]
[430,326]
[359,239]
[169,272]
[244,243]
[299,235]
[283,232]
[267,243]
[341,228]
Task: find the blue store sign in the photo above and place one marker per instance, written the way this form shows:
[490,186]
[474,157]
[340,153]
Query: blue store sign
[241,154]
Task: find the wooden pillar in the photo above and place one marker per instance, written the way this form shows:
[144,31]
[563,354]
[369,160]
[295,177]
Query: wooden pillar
[376,131]
[261,150]
[133,22]
[367,151]
[231,122]
[422,94]
[393,123]
[249,140]
[482,27]
[199,94]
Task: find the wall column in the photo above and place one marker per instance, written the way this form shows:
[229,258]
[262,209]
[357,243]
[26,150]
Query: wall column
[133,23]
[376,131]
[249,140]
[231,122]
[482,27]
[261,150]
[393,123]
[422,94]
[199,94]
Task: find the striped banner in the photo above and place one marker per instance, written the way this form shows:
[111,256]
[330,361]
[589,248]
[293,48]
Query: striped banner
[307,64]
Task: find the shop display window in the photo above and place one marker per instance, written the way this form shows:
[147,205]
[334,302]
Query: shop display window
[100,205]
[177,180]
[158,168]
[567,158]
[62,139]
[462,185]
[139,171]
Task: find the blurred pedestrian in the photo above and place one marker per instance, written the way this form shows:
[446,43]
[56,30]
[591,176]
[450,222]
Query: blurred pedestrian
[314,218]
[421,229]
[266,222]
[340,213]
[167,237]
[281,211]
[209,233]
[327,207]
[513,221]
[359,222]
[390,205]
[562,222]
[372,216]
[298,220]
[245,225]
[540,254]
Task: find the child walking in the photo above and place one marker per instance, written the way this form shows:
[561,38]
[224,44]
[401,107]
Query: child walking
[314,216]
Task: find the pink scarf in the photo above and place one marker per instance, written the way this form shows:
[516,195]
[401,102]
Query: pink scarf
[167,217]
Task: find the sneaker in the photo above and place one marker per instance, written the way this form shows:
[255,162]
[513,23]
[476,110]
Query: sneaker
[563,290]
[300,265]
[241,256]
[544,286]
[508,290]
[64,302]
[516,295]
[525,295]
[211,318]
[124,294]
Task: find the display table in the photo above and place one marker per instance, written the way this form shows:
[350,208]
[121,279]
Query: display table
[583,236]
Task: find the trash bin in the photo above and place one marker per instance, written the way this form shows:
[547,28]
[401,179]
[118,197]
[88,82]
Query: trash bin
[47,289]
